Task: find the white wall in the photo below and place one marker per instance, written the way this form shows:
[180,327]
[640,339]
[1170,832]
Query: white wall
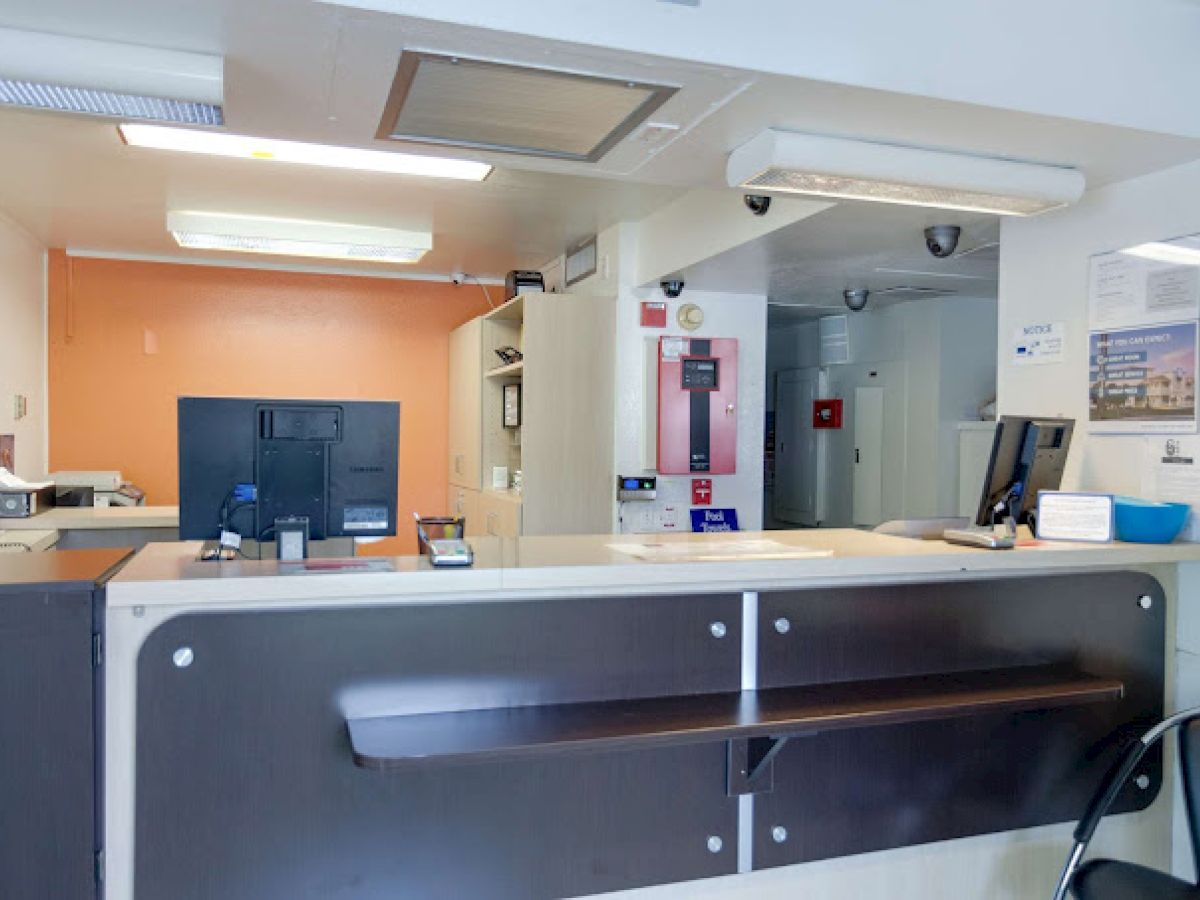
[741,316]
[1044,276]
[23,345]
[935,360]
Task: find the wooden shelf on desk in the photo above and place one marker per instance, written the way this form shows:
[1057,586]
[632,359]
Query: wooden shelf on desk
[392,743]
[512,370]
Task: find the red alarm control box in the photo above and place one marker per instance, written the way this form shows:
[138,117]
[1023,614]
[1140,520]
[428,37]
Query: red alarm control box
[701,492]
[697,406]
[827,413]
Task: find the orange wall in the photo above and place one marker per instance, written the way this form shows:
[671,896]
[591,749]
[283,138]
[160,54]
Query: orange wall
[128,338]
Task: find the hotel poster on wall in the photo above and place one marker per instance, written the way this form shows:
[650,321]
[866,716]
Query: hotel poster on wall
[1142,344]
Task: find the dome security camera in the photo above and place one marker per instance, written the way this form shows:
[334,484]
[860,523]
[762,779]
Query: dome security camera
[757,203]
[856,298]
[672,287]
[942,240]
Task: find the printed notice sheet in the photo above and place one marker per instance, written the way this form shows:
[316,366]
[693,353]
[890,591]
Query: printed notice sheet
[1173,476]
[1143,306]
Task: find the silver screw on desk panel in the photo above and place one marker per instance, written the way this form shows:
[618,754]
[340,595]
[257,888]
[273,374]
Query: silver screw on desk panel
[1142,781]
[779,834]
[718,629]
[715,844]
[782,625]
[183,657]
[1145,601]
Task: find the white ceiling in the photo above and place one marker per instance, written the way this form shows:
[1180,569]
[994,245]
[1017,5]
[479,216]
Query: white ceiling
[306,70]
[875,246]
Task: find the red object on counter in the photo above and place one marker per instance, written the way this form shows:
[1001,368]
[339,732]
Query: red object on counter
[827,413]
[701,491]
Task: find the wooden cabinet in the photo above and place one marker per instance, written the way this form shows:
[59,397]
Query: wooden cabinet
[465,502]
[500,513]
[564,444]
[466,436]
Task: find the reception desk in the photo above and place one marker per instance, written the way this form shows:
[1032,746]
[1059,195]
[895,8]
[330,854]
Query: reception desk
[820,713]
[93,527]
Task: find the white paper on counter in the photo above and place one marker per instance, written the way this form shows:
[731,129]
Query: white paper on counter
[1069,516]
[1173,476]
[716,551]
[10,482]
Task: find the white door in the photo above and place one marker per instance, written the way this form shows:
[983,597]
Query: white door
[800,476]
[868,456]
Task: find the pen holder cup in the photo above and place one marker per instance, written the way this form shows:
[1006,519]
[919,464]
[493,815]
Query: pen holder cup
[437,528]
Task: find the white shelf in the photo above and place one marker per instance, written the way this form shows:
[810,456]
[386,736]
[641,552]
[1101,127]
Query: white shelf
[512,370]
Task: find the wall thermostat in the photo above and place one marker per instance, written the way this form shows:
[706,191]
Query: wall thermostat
[637,487]
[690,316]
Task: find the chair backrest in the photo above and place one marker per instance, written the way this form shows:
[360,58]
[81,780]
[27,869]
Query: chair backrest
[1189,766]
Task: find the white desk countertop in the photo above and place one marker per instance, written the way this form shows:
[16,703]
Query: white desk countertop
[559,567]
[12,541]
[63,518]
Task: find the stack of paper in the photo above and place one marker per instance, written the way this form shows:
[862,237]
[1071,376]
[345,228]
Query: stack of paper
[10,482]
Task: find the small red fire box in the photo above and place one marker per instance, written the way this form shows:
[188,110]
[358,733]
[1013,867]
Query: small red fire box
[701,492]
[827,413]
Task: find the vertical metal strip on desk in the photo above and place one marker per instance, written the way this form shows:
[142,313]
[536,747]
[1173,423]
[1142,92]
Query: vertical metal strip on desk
[745,845]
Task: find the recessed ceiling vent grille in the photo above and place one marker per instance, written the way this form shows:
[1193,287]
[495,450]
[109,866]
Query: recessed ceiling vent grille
[453,101]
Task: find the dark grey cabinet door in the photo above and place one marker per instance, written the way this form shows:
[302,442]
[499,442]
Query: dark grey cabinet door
[47,801]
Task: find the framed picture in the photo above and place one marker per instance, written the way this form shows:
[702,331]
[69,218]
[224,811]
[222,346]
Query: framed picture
[512,406]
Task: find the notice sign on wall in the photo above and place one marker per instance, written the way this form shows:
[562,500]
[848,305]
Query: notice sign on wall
[1143,307]
[1143,379]
[1039,343]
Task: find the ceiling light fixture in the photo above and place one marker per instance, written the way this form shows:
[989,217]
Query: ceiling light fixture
[237,146]
[860,170]
[77,75]
[296,237]
[1163,251]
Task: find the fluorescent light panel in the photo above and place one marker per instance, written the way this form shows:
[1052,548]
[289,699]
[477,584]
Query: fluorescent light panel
[1163,251]
[296,237]
[861,170]
[78,75]
[237,146]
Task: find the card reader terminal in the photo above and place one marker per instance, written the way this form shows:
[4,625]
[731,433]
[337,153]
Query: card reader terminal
[450,552]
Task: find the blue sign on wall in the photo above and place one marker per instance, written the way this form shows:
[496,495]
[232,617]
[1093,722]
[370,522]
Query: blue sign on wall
[714,520]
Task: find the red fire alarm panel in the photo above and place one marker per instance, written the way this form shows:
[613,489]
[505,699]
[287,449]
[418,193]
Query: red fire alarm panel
[697,405]
[827,414]
[654,314]
[701,491]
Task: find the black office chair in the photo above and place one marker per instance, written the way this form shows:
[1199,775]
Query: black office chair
[1106,879]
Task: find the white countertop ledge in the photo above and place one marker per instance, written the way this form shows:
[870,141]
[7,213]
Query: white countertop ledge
[96,518]
[574,566]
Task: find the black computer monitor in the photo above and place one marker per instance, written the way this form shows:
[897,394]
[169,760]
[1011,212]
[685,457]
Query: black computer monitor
[1028,455]
[245,463]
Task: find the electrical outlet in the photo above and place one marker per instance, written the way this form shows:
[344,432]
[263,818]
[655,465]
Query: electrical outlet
[20,406]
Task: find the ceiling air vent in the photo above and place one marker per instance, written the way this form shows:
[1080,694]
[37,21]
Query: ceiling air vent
[452,101]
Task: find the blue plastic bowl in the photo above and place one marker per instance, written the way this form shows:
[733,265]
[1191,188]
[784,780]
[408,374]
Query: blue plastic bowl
[1148,522]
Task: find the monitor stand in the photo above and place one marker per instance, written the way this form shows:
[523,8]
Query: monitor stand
[331,548]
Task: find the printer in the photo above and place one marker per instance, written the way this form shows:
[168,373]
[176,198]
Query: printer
[95,489]
[20,499]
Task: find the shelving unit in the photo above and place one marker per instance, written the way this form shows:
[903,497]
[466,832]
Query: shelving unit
[397,742]
[512,370]
[566,377]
